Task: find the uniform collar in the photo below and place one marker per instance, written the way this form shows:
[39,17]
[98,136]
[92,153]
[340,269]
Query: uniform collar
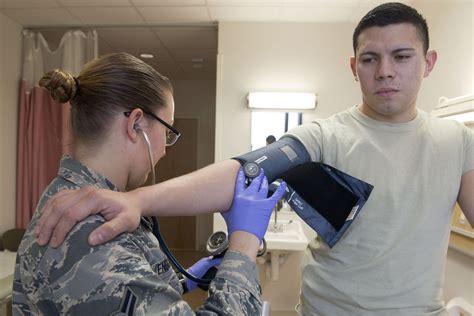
[75,172]
[81,176]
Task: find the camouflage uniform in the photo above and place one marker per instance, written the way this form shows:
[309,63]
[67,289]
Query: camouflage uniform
[129,275]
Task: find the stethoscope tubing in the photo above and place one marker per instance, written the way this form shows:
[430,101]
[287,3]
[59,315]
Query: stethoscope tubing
[156,229]
[172,258]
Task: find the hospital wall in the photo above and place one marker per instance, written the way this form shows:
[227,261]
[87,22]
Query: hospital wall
[10,74]
[315,57]
[452,36]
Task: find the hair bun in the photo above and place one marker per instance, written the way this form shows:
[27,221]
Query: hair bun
[61,85]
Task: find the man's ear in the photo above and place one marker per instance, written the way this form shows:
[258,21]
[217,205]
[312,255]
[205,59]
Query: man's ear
[430,59]
[352,62]
[133,125]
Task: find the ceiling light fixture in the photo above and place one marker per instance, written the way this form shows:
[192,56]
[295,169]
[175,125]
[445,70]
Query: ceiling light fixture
[282,100]
[146,56]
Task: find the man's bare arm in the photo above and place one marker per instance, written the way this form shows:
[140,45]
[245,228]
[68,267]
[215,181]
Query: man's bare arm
[206,190]
[466,196]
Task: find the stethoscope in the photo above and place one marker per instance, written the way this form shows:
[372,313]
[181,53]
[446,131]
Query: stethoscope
[217,243]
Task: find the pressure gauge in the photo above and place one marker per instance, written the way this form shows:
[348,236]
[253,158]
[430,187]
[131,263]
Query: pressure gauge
[217,243]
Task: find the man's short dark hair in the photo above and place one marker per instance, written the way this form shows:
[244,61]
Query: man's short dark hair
[270,139]
[393,13]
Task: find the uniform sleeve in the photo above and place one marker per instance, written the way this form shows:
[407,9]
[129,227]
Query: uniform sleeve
[235,289]
[117,279]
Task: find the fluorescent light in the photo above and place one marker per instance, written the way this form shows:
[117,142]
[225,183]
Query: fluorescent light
[146,56]
[460,109]
[282,100]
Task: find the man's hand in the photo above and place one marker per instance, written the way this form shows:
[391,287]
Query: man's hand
[68,207]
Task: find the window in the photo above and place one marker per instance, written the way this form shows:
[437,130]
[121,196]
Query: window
[272,123]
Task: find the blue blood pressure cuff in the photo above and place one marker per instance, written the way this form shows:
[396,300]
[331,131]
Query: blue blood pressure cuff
[327,199]
[276,158]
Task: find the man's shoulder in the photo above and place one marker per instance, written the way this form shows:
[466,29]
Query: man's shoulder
[335,125]
[445,127]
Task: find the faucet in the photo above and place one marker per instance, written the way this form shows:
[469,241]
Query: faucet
[276,209]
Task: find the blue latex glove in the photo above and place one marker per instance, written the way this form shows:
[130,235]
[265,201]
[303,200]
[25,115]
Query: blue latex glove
[251,209]
[199,269]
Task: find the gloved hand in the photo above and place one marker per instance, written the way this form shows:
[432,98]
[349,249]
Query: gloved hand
[199,269]
[251,209]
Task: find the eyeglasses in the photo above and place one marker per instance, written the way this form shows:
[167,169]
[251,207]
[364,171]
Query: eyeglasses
[172,134]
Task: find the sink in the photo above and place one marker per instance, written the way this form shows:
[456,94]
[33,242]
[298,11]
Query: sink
[284,237]
[288,235]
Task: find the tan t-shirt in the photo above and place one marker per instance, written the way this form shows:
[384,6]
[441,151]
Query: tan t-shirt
[391,260]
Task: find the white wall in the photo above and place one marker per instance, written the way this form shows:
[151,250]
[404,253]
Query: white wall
[10,75]
[279,57]
[452,36]
[315,57]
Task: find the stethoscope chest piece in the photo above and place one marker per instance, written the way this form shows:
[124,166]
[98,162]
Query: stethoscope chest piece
[251,170]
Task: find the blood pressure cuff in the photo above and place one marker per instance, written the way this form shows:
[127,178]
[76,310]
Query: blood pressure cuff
[278,157]
[327,199]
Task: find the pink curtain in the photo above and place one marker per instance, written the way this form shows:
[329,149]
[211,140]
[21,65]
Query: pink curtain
[43,136]
[43,129]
